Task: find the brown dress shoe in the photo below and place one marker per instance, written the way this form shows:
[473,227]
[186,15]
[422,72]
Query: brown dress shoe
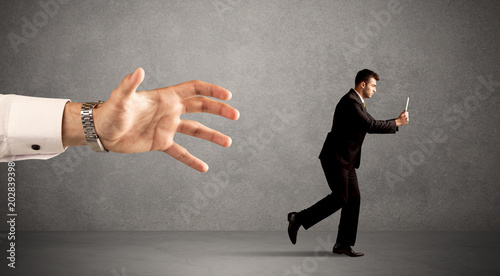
[293,227]
[340,249]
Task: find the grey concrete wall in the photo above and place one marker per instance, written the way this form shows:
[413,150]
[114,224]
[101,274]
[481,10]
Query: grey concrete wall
[287,64]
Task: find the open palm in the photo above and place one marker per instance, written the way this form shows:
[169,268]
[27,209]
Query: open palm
[133,121]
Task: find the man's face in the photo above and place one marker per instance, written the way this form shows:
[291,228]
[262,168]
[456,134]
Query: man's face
[369,89]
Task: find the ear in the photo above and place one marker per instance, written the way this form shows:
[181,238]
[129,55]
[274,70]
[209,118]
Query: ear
[362,84]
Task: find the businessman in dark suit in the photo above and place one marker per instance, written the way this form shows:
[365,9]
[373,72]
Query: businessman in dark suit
[340,156]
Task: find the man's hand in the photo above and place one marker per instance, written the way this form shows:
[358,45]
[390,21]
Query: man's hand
[403,118]
[131,122]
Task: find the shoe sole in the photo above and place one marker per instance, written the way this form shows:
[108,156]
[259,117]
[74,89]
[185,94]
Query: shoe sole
[340,253]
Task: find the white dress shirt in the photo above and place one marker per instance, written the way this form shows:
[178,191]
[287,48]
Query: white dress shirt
[362,100]
[30,127]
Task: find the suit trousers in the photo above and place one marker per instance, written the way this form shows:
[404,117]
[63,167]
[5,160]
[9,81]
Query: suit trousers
[345,194]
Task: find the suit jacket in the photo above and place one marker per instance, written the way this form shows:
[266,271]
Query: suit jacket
[351,122]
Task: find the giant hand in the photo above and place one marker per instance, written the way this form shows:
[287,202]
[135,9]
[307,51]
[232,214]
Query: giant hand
[133,121]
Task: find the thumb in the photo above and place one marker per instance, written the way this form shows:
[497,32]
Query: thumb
[130,83]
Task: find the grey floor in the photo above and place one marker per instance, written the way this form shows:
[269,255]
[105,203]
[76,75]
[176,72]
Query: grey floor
[251,253]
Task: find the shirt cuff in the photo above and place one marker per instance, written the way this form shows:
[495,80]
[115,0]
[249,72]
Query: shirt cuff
[34,127]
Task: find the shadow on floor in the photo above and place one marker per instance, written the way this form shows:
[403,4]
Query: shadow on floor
[281,254]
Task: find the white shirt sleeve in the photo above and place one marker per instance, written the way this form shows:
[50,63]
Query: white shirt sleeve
[30,127]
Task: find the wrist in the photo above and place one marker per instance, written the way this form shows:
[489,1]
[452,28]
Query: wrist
[89,126]
[72,131]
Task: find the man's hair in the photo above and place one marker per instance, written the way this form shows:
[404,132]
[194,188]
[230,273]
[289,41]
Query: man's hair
[365,75]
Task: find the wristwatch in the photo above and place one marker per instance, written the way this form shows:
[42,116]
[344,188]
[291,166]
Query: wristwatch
[89,127]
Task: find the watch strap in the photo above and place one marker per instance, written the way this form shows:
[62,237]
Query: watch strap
[89,128]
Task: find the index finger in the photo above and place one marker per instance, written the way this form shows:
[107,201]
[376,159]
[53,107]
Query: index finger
[200,88]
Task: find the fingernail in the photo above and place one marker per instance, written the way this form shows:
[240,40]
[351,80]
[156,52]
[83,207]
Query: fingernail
[133,73]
